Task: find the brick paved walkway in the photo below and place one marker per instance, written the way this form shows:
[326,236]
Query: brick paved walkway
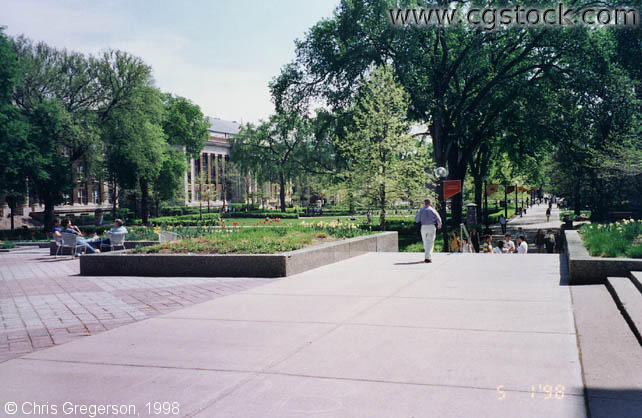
[43,301]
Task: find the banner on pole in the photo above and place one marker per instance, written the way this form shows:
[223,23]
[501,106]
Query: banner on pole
[491,188]
[510,189]
[451,188]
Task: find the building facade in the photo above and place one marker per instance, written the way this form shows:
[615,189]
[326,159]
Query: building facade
[211,178]
[207,177]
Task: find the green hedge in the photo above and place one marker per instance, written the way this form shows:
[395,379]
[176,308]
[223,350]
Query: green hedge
[212,218]
[235,208]
[261,215]
[21,234]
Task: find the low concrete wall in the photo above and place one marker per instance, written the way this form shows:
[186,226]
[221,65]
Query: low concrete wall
[128,245]
[235,265]
[585,269]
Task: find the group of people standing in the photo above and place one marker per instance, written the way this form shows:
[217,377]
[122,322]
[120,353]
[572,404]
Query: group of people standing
[507,246]
[430,222]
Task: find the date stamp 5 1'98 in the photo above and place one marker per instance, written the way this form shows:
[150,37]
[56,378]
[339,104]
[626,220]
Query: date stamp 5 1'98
[540,391]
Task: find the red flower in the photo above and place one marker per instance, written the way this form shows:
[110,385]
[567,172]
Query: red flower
[235,223]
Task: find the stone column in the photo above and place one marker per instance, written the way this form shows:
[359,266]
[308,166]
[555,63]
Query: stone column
[209,169]
[186,187]
[193,174]
[223,182]
[216,175]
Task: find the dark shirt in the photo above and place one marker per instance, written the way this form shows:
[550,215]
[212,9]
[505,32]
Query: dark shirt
[70,231]
[56,229]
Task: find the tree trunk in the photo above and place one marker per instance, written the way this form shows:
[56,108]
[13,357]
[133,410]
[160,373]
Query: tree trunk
[351,201]
[12,202]
[505,203]
[479,193]
[382,198]
[114,198]
[49,213]
[282,191]
[144,201]
[457,171]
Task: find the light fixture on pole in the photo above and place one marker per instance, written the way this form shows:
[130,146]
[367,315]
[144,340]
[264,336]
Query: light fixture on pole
[441,173]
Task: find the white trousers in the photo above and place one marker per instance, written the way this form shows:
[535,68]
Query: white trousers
[428,233]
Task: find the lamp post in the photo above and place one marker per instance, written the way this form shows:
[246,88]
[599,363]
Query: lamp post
[441,173]
[486,200]
[505,201]
[516,198]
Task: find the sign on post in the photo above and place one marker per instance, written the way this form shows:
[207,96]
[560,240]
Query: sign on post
[491,188]
[451,188]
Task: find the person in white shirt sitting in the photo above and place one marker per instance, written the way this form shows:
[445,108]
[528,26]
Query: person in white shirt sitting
[500,249]
[509,244]
[522,246]
[466,248]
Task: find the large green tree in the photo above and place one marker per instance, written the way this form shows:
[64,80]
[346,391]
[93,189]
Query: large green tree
[460,79]
[378,144]
[57,94]
[186,130]
[275,150]
[16,151]
[135,142]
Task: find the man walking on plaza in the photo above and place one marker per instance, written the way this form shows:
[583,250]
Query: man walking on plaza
[430,222]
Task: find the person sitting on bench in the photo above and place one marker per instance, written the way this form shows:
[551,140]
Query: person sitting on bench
[80,241]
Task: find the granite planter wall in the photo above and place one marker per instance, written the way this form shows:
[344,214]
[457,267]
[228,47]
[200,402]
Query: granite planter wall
[235,265]
[585,269]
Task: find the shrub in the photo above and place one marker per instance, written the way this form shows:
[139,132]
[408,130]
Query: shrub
[635,251]
[618,239]
[5,245]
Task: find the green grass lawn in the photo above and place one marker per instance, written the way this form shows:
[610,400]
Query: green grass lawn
[267,240]
[618,239]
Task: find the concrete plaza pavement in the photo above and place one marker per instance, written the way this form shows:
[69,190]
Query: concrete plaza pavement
[43,301]
[383,334]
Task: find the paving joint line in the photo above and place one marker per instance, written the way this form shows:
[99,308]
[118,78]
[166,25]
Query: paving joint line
[277,373]
[269,321]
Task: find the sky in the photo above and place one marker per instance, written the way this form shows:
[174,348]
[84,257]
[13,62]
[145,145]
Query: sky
[219,54]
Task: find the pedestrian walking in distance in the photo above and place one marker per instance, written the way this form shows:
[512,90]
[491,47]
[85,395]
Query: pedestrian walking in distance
[430,222]
[548,214]
[502,223]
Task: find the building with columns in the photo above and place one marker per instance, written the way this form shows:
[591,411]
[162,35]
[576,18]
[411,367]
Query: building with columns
[207,176]
[213,176]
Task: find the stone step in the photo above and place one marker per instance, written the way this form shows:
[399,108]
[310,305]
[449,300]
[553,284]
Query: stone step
[636,278]
[610,354]
[629,300]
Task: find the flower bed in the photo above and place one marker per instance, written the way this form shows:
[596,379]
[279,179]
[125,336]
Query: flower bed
[618,239]
[235,265]
[270,239]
